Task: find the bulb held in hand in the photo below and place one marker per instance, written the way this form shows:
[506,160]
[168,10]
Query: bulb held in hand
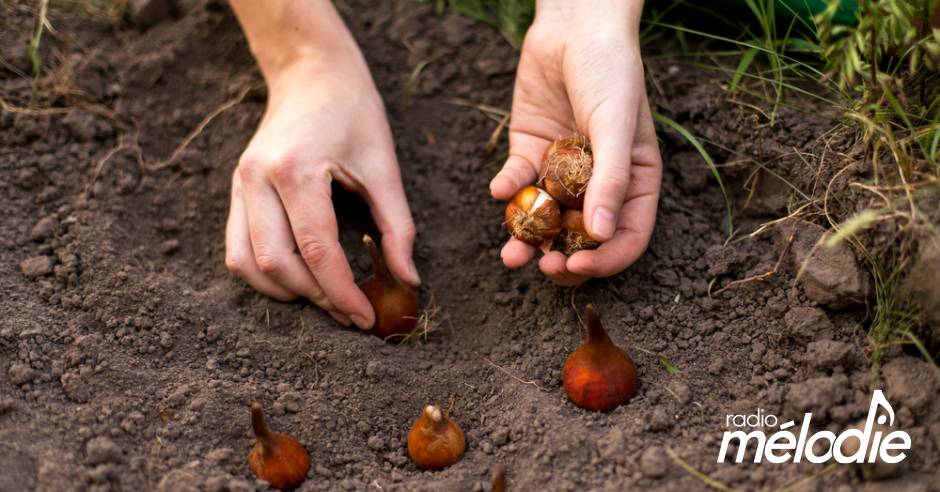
[395,304]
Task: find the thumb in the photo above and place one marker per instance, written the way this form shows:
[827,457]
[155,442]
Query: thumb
[607,189]
[517,173]
[390,210]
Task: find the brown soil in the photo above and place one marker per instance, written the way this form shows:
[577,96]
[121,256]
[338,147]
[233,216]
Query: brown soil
[128,355]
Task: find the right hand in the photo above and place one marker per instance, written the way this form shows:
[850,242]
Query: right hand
[324,121]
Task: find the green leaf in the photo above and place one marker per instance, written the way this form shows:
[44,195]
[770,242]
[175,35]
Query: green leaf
[742,69]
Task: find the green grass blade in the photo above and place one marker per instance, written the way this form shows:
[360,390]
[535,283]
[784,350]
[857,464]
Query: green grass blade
[742,69]
[697,145]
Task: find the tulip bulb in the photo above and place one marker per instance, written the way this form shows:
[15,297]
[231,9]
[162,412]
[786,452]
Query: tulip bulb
[574,236]
[566,169]
[533,216]
[275,458]
[435,440]
[598,375]
[395,304]
[499,479]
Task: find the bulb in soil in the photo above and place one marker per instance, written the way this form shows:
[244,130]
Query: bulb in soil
[435,440]
[599,375]
[395,304]
[533,216]
[499,479]
[566,169]
[574,236]
[278,459]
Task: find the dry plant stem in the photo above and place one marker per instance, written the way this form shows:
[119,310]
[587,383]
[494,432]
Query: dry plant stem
[697,474]
[765,275]
[797,484]
[199,129]
[510,374]
[491,111]
[494,137]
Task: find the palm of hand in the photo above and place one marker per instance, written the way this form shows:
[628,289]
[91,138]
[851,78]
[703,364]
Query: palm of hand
[595,87]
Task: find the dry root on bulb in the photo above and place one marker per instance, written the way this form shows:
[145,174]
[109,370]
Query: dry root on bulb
[435,440]
[276,458]
[533,216]
[574,236]
[395,304]
[566,169]
[598,375]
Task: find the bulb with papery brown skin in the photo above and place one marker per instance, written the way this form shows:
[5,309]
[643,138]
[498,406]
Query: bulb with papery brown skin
[533,216]
[499,479]
[276,458]
[598,375]
[435,440]
[567,166]
[574,237]
[394,303]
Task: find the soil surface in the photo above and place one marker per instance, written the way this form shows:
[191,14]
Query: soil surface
[129,355]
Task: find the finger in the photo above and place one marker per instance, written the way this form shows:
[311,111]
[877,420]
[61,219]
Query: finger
[272,243]
[638,214]
[553,266]
[611,136]
[305,192]
[517,173]
[517,253]
[239,257]
[627,245]
[386,197]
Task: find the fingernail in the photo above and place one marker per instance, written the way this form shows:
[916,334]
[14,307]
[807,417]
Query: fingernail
[603,224]
[360,321]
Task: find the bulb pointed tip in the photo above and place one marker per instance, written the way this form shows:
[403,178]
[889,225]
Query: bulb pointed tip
[433,412]
[258,425]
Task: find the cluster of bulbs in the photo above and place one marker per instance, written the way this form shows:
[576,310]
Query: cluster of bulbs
[538,215]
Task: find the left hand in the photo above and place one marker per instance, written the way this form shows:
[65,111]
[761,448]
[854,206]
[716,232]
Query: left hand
[581,69]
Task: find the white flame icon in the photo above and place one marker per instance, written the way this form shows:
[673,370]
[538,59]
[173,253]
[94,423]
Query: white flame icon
[878,400]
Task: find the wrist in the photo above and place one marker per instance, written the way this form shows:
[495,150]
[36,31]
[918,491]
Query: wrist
[284,34]
[574,11]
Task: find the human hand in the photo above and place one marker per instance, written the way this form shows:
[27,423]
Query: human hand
[581,69]
[324,121]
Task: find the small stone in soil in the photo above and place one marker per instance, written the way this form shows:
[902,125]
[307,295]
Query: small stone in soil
[20,374]
[43,229]
[654,462]
[36,266]
[102,450]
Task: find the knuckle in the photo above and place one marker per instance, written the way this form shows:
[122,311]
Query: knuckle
[268,264]
[283,168]
[235,264]
[315,252]
[617,181]
[247,169]
[409,231]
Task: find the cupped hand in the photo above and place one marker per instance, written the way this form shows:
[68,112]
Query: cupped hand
[324,122]
[580,70]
